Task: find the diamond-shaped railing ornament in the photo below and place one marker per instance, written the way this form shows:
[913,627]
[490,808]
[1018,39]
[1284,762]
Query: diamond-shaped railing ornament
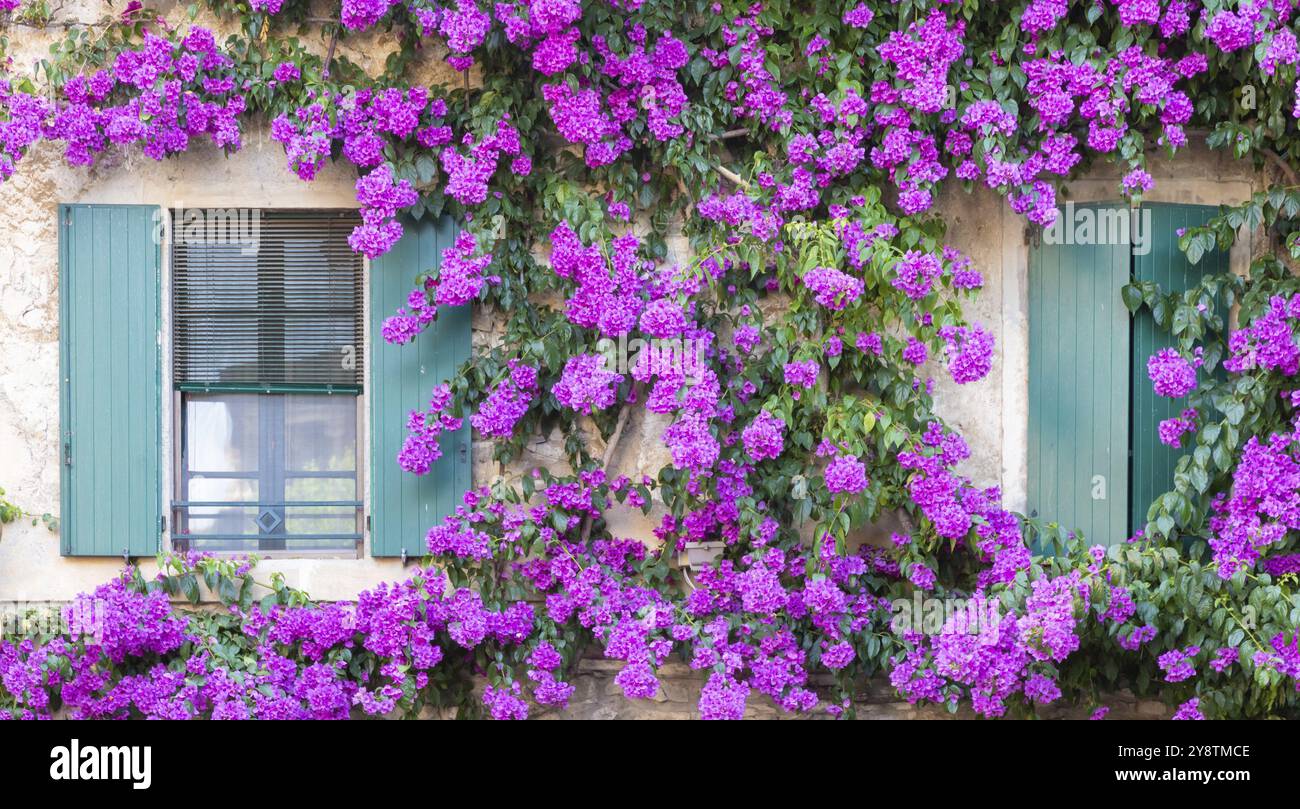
[268,520]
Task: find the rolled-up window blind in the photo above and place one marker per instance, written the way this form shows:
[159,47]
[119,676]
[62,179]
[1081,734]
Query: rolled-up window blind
[265,298]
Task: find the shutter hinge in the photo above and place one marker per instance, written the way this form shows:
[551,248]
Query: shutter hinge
[67,452]
[162,524]
[367,522]
[403,557]
[1031,235]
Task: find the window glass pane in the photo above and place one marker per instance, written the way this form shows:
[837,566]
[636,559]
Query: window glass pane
[314,489]
[320,520]
[222,520]
[214,489]
[319,349]
[322,313]
[320,434]
[221,433]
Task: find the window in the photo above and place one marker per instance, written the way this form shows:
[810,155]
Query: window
[267,368]
[267,351]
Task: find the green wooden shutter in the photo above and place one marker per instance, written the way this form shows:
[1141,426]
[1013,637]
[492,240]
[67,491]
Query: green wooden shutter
[110,401]
[403,506]
[1078,387]
[1164,263]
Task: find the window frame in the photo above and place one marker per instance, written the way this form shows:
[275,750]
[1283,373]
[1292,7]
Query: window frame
[174,446]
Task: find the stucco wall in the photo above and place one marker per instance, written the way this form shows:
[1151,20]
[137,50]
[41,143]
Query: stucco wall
[992,413]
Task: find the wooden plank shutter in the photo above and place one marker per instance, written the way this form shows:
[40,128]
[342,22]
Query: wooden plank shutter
[1079,352]
[404,506]
[110,400]
[1165,264]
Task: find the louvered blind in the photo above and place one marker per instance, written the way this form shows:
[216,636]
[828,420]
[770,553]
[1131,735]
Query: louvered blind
[265,298]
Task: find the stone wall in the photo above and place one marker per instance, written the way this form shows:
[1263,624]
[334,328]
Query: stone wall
[597,697]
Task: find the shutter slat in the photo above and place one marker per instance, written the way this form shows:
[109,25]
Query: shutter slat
[404,506]
[288,312]
[110,421]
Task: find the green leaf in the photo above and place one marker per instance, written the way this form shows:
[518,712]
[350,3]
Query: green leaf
[189,587]
[226,591]
[1132,295]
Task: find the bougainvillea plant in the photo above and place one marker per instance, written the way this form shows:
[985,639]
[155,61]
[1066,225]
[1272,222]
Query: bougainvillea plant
[799,148]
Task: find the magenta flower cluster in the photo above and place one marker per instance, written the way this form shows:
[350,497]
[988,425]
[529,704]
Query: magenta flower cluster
[1263,505]
[381,197]
[1268,343]
[459,281]
[1171,375]
[608,296]
[764,436]
[847,474]
[1171,431]
[1179,664]
[162,97]
[586,385]
[507,402]
[970,352]
[423,428]
[1001,654]
[832,288]
[121,657]
[469,172]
